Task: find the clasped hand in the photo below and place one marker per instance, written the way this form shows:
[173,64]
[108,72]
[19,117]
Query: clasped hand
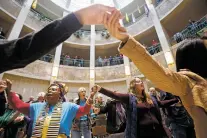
[5,84]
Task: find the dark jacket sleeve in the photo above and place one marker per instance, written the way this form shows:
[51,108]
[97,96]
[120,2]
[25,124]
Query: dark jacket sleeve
[116,95]
[2,103]
[20,52]
[104,109]
[167,103]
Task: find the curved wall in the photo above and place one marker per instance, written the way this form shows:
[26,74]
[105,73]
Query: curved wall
[43,70]
[34,78]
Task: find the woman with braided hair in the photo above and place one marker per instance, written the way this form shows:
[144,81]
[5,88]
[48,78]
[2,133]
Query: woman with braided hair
[52,118]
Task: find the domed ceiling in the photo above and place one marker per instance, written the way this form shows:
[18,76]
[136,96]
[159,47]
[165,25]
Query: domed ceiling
[73,5]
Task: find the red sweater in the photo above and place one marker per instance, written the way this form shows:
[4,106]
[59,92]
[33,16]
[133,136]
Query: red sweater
[23,107]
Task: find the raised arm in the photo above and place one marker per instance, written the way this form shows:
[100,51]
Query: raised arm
[167,103]
[20,52]
[83,110]
[104,109]
[15,102]
[18,104]
[163,78]
[116,95]
[168,80]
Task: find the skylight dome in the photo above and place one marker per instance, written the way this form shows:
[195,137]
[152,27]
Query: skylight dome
[74,5]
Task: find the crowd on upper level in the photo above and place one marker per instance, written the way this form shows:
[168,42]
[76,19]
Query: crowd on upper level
[193,29]
[110,61]
[80,62]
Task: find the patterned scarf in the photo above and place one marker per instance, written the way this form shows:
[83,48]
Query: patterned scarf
[48,126]
[121,113]
[131,125]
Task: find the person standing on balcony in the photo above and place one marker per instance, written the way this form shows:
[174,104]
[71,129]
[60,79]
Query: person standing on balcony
[110,61]
[105,61]
[20,52]
[121,58]
[82,62]
[154,43]
[100,61]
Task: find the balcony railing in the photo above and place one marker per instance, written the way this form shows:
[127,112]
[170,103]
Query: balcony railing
[75,62]
[43,70]
[84,63]
[109,61]
[193,29]
[37,21]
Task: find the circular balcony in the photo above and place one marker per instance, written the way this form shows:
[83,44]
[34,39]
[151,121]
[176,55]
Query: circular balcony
[139,24]
[72,74]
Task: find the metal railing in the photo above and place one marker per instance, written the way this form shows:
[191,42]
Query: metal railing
[109,61]
[39,17]
[74,62]
[192,30]
[154,49]
[83,63]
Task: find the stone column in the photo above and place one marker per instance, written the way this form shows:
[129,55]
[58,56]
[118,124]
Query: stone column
[17,27]
[161,35]
[92,56]
[56,63]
